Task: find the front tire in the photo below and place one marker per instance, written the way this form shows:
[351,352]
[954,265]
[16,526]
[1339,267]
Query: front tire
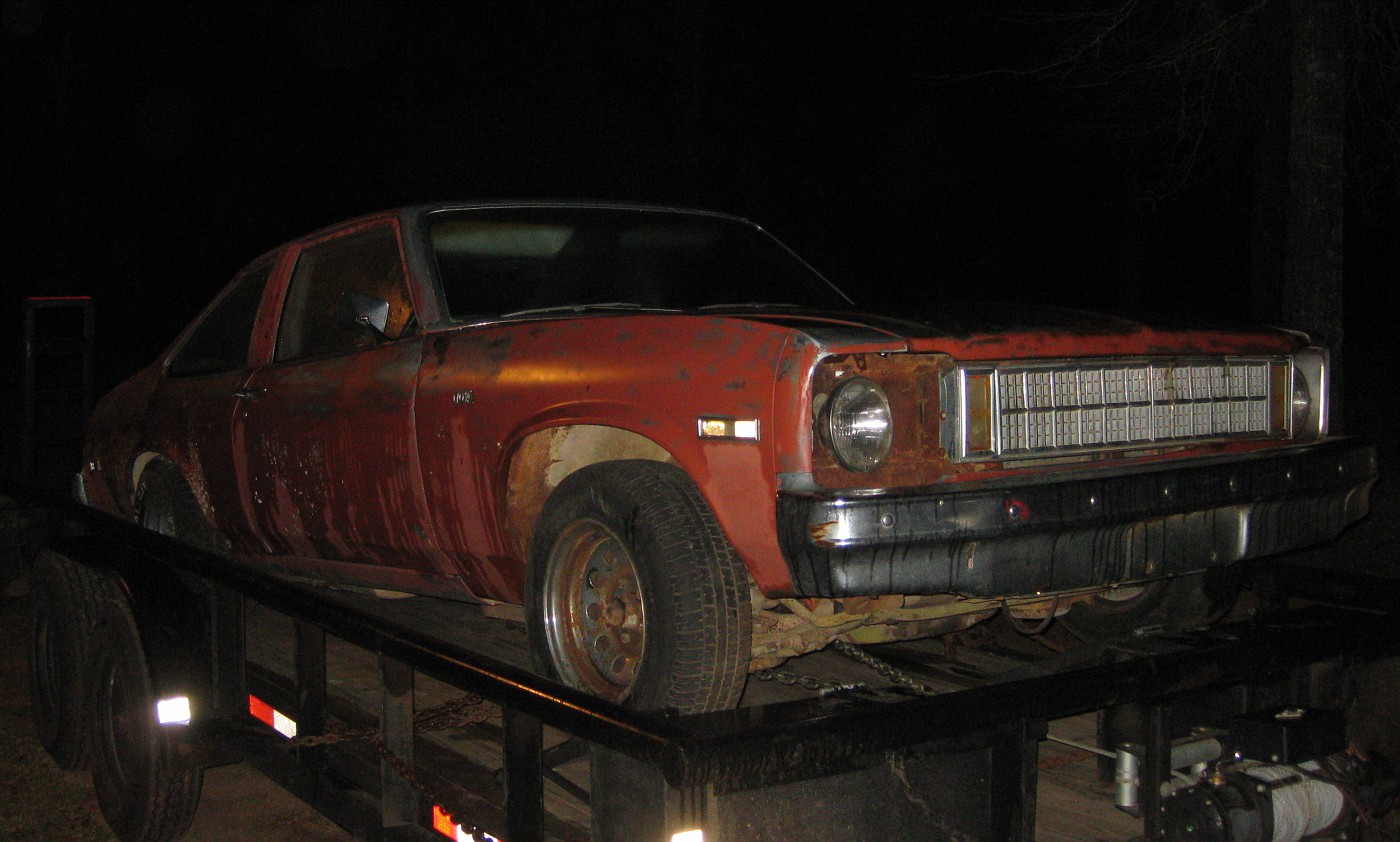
[634,594]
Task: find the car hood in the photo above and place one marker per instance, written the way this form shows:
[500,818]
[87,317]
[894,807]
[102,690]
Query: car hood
[1017,330]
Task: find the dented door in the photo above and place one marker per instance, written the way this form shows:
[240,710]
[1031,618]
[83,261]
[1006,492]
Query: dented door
[332,467]
[326,427]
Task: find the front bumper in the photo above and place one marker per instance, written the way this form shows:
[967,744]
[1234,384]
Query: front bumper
[1027,536]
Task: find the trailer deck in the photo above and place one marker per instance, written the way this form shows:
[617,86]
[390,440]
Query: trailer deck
[831,745]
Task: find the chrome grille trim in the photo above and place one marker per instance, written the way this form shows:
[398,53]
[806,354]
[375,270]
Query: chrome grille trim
[1065,407]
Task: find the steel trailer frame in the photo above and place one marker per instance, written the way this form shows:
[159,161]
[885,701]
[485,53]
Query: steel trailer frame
[755,772]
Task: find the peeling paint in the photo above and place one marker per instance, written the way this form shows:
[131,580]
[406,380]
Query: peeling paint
[820,533]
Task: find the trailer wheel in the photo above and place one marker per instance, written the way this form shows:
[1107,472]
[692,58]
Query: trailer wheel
[1178,603]
[66,599]
[634,594]
[141,793]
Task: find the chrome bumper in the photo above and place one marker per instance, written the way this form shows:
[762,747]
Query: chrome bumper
[1020,537]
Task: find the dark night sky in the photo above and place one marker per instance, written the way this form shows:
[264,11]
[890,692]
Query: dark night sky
[150,149]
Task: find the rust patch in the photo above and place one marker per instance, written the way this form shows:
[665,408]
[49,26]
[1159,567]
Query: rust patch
[819,532]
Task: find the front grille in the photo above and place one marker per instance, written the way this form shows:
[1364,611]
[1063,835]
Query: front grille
[1011,410]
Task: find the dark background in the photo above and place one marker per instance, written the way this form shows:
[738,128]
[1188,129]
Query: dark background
[1128,157]
[1143,158]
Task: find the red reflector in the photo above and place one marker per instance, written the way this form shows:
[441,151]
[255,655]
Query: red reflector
[443,823]
[261,711]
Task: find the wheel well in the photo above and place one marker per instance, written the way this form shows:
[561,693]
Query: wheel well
[139,466]
[543,459]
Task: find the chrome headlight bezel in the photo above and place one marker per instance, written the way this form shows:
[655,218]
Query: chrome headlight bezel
[1309,394]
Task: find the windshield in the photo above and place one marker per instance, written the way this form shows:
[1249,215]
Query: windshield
[515,261]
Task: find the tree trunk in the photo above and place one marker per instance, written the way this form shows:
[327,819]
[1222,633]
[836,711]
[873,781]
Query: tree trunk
[1311,296]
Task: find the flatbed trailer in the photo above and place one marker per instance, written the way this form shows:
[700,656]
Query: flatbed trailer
[419,719]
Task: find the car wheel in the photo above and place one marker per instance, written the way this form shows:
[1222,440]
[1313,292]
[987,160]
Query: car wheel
[1179,603]
[66,599]
[165,504]
[634,593]
[140,793]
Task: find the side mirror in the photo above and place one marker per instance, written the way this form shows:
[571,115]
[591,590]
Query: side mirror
[365,313]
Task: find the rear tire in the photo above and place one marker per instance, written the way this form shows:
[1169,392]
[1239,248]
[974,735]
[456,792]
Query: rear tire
[67,599]
[166,505]
[634,594]
[142,794]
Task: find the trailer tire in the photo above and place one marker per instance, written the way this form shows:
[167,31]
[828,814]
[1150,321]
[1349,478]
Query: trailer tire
[1182,602]
[142,794]
[66,600]
[634,594]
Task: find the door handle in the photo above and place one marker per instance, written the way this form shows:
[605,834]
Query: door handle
[249,393]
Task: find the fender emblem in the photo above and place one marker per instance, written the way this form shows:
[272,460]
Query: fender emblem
[466,396]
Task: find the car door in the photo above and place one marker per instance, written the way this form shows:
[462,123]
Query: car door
[197,397]
[326,427]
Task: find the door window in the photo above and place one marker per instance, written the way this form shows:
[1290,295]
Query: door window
[315,320]
[220,342]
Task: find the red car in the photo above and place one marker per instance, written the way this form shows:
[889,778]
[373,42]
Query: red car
[686,454]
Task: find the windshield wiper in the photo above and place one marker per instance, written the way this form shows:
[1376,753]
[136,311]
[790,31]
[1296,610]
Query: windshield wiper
[578,308]
[749,305]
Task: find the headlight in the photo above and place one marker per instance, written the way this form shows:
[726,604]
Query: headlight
[1302,400]
[859,425]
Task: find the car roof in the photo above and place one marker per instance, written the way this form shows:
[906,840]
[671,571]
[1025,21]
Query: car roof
[573,203]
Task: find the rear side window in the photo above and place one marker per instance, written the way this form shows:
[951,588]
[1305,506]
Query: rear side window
[220,342]
[314,321]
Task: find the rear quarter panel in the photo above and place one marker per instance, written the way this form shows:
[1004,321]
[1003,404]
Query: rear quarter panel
[114,433]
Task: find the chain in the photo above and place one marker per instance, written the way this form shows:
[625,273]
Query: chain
[410,775]
[824,686]
[457,713]
[885,668]
[806,682]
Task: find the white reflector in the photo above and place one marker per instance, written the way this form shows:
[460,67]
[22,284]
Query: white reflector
[174,711]
[283,725]
[274,719]
[696,835]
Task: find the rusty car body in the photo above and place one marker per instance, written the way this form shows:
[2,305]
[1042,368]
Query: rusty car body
[685,453]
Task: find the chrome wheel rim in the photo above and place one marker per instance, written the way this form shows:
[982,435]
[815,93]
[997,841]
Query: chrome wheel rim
[594,614]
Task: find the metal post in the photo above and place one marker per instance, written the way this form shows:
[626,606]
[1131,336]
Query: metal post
[524,738]
[311,689]
[1156,766]
[1012,780]
[398,800]
[229,686]
[63,424]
